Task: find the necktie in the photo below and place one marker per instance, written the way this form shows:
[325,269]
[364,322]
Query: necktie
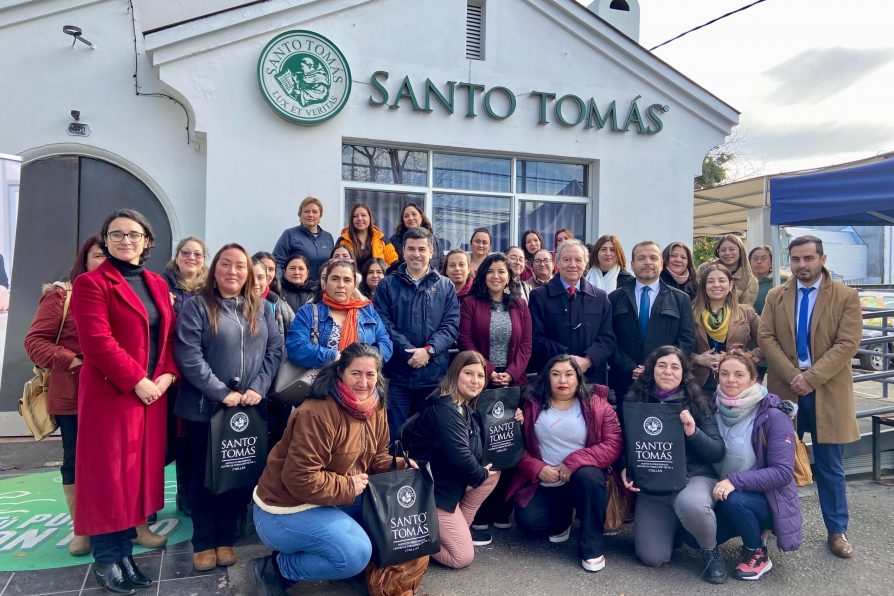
[804,325]
[644,311]
[571,291]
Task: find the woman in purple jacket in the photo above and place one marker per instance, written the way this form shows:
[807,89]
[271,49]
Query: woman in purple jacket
[758,491]
[495,321]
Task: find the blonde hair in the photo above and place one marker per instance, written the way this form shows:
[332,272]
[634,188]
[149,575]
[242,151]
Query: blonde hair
[731,302]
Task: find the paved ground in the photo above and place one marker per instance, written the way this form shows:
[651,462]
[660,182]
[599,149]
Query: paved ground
[516,565]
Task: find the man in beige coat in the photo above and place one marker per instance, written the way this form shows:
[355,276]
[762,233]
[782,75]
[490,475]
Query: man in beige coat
[810,330]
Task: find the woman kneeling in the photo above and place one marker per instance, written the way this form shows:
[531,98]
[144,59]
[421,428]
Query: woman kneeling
[571,436]
[307,504]
[758,489]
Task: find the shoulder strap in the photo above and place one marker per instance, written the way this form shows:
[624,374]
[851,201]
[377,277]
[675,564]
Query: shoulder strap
[315,332]
[64,310]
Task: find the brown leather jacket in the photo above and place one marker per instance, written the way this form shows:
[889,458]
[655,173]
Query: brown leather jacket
[323,446]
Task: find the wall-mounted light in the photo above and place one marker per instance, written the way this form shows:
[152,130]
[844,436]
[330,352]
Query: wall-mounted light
[76,33]
[619,5]
[78,128]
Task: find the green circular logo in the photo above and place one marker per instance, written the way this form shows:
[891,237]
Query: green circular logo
[304,77]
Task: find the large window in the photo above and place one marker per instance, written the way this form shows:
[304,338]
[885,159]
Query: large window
[464,191]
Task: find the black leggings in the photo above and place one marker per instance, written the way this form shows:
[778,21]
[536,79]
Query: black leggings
[68,427]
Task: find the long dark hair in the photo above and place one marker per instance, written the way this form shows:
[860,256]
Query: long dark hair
[694,399]
[541,391]
[401,228]
[479,284]
[326,382]
[524,243]
[362,251]
[251,304]
[80,264]
[274,283]
[364,287]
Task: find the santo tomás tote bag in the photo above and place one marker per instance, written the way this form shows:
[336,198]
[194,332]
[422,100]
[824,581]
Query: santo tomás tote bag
[399,513]
[655,447]
[501,434]
[237,447]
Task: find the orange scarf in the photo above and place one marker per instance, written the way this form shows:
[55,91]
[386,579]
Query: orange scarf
[349,329]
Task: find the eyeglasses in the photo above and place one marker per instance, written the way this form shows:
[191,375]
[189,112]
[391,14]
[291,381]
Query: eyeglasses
[515,259]
[542,261]
[194,254]
[118,236]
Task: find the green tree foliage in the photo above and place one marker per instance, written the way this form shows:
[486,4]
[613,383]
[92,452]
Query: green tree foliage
[713,172]
[703,249]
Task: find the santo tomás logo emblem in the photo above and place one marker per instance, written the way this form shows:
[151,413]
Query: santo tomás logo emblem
[239,422]
[406,496]
[652,425]
[304,77]
[498,410]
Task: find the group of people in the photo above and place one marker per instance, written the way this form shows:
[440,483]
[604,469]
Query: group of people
[363,311]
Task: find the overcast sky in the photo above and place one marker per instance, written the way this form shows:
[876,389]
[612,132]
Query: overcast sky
[813,79]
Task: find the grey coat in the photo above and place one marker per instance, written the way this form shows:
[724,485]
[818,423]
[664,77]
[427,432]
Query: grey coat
[210,362]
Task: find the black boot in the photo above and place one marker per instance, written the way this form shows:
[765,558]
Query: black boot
[715,566]
[133,573]
[111,576]
[267,578]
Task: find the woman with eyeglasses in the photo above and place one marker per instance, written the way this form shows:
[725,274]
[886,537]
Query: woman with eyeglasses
[515,256]
[185,274]
[125,327]
[543,264]
[531,242]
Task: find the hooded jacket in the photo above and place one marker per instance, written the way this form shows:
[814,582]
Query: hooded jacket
[209,362]
[379,249]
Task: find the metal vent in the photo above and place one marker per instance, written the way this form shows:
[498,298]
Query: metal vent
[475,30]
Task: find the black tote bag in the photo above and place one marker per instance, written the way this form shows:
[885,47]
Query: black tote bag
[237,447]
[655,446]
[500,431]
[399,514]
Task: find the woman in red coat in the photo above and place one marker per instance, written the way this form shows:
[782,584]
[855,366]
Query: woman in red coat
[495,321]
[125,325]
[63,359]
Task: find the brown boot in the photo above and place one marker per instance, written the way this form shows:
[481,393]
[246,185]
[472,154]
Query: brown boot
[204,560]
[226,555]
[149,539]
[79,545]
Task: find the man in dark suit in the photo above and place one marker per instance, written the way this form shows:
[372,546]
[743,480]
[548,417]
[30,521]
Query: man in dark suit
[645,315]
[569,316]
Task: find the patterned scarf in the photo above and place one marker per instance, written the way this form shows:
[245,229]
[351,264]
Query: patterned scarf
[716,325]
[361,410]
[733,409]
[349,329]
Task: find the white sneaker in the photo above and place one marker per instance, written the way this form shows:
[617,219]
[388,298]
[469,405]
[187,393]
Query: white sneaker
[480,526]
[557,538]
[503,525]
[597,564]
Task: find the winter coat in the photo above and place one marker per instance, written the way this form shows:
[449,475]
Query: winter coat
[209,362]
[62,390]
[603,445]
[300,241]
[474,334]
[742,331]
[453,448]
[670,323]
[370,330]
[836,329]
[690,288]
[323,446]
[298,296]
[282,312]
[380,250]
[121,440]
[581,326]
[773,441]
[415,316]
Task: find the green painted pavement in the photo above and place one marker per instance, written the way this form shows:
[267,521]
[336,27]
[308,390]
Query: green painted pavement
[35,527]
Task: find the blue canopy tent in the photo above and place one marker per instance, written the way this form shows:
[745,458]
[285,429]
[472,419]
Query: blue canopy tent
[856,196]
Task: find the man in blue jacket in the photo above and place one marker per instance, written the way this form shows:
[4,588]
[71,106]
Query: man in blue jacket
[569,316]
[421,312]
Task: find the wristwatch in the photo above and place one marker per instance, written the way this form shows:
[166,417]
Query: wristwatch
[430,350]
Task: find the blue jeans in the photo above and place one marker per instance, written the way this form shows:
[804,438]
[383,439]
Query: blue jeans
[746,514]
[316,544]
[828,468]
[403,402]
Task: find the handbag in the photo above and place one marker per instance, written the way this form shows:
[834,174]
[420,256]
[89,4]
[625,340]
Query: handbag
[620,502]
[655,447]
[399,513]
[292,382]
[237,447]
[403,579]
[33,403]
[500,431]
[803,473]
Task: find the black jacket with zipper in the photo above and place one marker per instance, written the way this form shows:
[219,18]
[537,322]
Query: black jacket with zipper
[208,362]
